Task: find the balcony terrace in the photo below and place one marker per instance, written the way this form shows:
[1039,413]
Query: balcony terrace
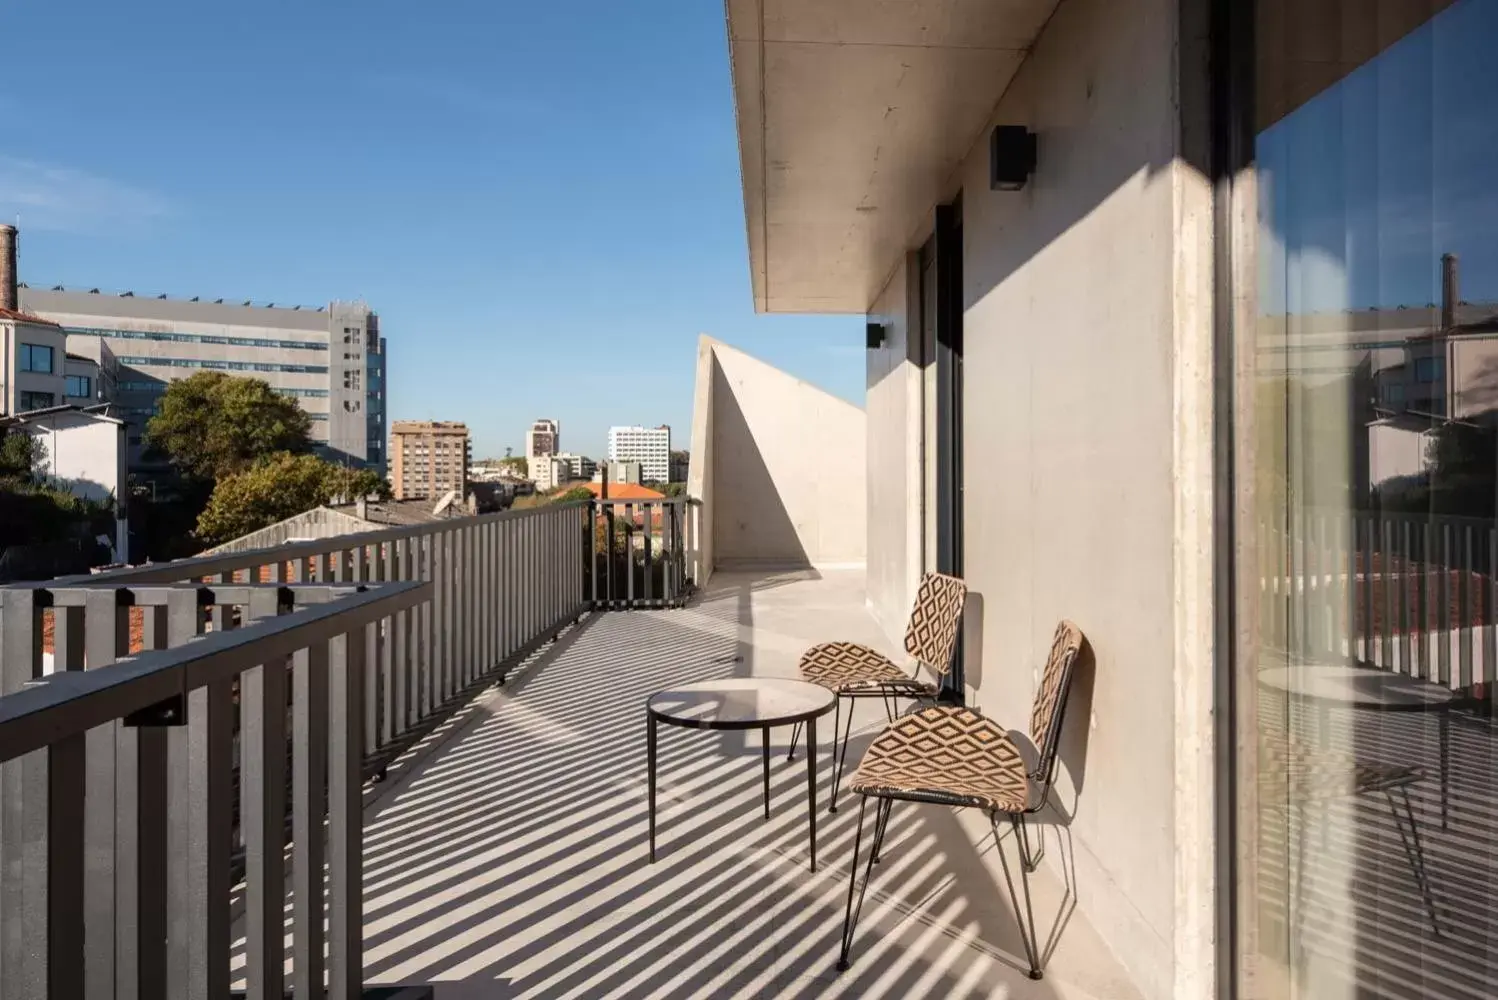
[463,758]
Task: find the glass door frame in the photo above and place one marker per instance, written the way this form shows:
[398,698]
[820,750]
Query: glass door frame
[1232,58]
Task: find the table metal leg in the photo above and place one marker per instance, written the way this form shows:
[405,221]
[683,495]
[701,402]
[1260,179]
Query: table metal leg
[650,779]
[811,784]
[765,740]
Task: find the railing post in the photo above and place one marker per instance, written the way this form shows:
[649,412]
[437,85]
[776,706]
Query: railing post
[592,532]
[143,940]
[345,817]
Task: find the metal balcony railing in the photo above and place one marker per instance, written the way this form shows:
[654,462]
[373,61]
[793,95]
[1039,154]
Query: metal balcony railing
[141,706]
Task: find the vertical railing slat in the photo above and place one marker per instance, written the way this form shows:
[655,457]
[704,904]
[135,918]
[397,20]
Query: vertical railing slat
[346,684]
[23,927]
[309,722]
[199,828]
[1442,633]
[110,848]
[262,813]
[147,828]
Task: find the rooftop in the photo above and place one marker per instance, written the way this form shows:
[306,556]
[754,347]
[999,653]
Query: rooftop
[16,316]
[621,491]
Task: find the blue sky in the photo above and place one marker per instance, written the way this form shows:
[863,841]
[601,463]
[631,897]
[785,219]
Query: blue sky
[541,200]
[1366,185]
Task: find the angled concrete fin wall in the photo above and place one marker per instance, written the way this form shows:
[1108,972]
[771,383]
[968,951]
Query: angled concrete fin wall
[778,465]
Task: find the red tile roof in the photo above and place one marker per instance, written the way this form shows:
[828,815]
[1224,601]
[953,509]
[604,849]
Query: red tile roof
[20,317]
[624,491]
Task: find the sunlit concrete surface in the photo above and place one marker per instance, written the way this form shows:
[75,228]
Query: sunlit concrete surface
[511,861]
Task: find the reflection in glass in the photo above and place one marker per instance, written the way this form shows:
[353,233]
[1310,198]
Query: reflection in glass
[1371,824]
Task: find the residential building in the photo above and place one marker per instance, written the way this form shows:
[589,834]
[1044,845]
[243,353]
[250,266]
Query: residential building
[620,472]
[548,471]
[543,439]
[32,348]
[91,372]
[650,446]
[330,359]
[578,466]
[429,458]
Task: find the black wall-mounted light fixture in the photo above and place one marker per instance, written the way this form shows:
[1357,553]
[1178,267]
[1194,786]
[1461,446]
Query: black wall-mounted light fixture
[875,334]
[1011,157]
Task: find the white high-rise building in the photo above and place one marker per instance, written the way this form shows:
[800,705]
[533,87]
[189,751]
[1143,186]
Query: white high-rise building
[650,446]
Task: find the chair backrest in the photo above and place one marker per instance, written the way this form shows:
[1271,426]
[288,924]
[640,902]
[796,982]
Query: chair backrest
[931,636]
[1050,698]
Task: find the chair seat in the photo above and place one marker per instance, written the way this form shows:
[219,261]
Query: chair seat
[1290,773]
[848,667]
[950,755]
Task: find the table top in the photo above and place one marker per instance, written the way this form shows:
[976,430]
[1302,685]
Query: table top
[1358,687]
[741,703]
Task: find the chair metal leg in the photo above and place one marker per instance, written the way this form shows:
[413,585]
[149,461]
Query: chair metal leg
[881,824]
[1025,920]
[795,735]
[1028,858]
[840,756]
[1415,853]
[850,916]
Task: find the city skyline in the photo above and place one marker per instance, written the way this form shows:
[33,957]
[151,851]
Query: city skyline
[501,251]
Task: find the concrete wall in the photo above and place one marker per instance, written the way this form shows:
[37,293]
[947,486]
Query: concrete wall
[1087,462]
[786,461]
[84,455]
[896,553]
[700,521]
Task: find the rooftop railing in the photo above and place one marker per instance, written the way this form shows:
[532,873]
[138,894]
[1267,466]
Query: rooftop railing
[140,707]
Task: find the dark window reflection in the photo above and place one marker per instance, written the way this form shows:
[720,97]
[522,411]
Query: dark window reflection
[1371,824]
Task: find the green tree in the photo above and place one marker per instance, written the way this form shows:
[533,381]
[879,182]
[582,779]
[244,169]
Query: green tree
[674,489]
[214,425]
[516,465]
[20,454]
[278,487]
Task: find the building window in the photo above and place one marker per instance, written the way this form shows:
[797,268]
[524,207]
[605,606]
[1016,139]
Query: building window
[80,387]
[36,400]
[1394,394]
[1429,369]
[36,358]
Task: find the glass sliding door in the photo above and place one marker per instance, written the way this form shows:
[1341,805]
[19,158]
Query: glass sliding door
[1367,800]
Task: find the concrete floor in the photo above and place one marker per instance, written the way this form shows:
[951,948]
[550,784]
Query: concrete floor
[510,859]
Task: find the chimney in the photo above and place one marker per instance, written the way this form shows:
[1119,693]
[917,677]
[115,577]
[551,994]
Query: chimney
[1451,290]
[361,508]
[8,298]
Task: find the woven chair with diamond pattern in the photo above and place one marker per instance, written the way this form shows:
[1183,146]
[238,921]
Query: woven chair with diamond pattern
[853,670]
[953,756]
